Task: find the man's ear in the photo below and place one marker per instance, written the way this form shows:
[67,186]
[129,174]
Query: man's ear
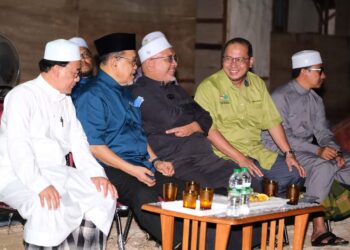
[251,62]
[114,61]
[147,66]
[56,70]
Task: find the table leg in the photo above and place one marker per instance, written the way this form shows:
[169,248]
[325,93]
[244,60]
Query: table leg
[167,223]
[247,237]
[299,231]
[280,234]
[194,234]
[186,234]
[202,235]
[263,236]
[272,234]
[222,233]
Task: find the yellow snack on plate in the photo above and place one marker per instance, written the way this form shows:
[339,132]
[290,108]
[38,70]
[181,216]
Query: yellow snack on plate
[256,197]
[263,197]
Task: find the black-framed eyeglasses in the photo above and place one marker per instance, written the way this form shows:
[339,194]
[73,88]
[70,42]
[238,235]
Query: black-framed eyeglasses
[239,60]
[132,61]
[169,59]
[75,74]
[320,70]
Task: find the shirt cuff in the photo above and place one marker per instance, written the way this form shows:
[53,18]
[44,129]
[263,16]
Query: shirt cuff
[95,172]
[39,184]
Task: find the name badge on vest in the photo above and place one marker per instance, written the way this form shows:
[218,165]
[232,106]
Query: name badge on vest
[224,99]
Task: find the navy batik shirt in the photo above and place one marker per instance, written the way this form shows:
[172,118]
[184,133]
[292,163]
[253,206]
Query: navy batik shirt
[111,117]
[78,87]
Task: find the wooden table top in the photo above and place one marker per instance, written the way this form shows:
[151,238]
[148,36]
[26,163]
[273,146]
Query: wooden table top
[284,212]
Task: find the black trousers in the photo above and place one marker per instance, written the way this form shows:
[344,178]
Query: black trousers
[210,171]
[134,193]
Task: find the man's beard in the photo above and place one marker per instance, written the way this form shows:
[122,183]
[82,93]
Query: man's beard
[86,73]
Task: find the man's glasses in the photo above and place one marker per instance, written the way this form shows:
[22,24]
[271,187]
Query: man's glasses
[320,70]
[132,61]
[169,59]
[239,60]
[77,73]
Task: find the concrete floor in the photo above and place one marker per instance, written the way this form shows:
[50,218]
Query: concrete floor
[11,238]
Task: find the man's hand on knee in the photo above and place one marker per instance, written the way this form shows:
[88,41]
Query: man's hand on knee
[104,184]
[51,197]
[327,153]
[292,162]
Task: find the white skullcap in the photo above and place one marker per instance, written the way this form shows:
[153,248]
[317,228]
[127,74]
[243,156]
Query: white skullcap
[306,58]
[151,36]
[62,50]
[153,47]
[79,41]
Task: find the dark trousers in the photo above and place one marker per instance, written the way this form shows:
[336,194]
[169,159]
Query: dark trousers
[279,172]
[209,170]
[134,193]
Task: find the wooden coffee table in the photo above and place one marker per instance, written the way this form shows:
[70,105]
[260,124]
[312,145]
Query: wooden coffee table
[223,226]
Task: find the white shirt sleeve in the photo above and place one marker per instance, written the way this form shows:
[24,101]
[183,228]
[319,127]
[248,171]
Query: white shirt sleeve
[19,105]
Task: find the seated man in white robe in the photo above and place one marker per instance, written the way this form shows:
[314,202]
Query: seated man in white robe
[39,129]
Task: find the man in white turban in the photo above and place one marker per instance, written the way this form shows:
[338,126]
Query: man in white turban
[87,66]
[39,129]
[304,118]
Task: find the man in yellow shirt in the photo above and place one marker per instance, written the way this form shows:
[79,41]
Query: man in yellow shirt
[241,108]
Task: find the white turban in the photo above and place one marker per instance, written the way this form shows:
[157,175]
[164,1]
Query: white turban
[62,50]
[152,44]
[306,58]
[151,36]
[79,41]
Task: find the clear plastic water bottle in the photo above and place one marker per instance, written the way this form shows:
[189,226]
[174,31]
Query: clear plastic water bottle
[244,205]
[246,178]
[234,193]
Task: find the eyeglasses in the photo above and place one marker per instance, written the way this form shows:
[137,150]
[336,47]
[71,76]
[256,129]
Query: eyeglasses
[320,69]
[77,73]
[85,55]
[132,61]
[169,59]
[239,60]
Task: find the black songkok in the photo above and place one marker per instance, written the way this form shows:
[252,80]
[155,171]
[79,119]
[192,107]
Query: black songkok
[115,42]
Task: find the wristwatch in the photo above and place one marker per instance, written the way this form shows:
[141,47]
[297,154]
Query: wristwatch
[155,160]
[340,153]
[289,153]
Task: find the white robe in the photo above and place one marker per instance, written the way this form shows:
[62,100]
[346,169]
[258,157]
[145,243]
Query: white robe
[38,128]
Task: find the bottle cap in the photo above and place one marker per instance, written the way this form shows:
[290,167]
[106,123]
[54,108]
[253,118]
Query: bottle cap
[236,170]
[244,169]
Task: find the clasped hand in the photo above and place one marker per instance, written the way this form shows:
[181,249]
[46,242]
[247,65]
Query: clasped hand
[146,176]
[329,153]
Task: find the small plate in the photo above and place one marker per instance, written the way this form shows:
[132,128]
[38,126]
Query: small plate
[309,199]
